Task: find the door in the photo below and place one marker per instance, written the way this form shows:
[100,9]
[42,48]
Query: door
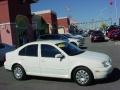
[29,59]
[51,66]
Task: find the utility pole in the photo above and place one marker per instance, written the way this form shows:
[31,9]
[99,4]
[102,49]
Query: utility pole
[114,2]
[119,21]
[116,11]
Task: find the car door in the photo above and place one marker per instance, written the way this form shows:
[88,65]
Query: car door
[51,66]
[29,59]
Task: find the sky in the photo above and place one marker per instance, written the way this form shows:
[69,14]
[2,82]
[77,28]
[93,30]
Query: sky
[81,10]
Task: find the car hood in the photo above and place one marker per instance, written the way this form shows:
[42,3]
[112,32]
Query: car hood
[93,56]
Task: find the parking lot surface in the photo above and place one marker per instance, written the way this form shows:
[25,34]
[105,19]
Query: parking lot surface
[112,48]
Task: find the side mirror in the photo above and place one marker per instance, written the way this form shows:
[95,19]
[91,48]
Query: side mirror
[59,56]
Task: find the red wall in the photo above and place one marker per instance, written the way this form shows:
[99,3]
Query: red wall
[51,18]
[64,22]
[4,12]
[6,34]
[47,17]
[9,9]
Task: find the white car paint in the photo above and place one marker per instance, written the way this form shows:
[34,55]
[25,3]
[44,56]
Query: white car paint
[55,67]
[78,40]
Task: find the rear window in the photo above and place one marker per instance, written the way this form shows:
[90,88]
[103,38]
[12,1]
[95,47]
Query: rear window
[97,33]
[31,50]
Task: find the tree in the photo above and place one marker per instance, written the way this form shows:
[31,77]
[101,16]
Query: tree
[103,26]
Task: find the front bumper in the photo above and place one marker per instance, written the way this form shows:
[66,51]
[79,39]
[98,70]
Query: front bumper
[101,73]
[99,39]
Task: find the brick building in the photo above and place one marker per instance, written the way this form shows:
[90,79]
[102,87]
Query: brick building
[50,18]
[16,22]
[63,24]
[15,13]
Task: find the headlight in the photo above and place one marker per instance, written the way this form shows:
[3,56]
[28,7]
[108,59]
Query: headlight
[106,63]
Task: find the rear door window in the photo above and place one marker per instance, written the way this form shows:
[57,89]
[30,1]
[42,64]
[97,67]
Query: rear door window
[31,50]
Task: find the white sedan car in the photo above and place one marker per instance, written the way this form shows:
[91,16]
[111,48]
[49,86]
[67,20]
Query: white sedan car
[58,59]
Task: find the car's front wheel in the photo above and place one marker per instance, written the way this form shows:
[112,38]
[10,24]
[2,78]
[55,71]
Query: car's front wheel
[18,72]
[83,76]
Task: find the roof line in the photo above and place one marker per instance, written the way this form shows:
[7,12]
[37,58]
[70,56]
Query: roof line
[44,11]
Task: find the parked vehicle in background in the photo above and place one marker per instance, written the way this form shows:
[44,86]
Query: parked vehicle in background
[109,34]
[75,41]
[58,59]
[90,32]
[97,36]
[85,34]
[114,35]
[111,30]
[77,36]
[4,48]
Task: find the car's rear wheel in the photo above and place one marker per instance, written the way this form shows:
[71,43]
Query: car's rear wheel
[18,72]
[83,76]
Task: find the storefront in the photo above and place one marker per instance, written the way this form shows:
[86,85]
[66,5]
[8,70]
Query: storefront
[50,18]
[11,31]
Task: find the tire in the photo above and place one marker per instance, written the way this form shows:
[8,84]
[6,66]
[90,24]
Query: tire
[83,76]
[18,72]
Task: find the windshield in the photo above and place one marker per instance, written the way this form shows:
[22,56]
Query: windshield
[69,49]
[97,33]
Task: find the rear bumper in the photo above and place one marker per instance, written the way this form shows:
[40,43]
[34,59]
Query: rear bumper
[7,67]
[99,39]
[115,38]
